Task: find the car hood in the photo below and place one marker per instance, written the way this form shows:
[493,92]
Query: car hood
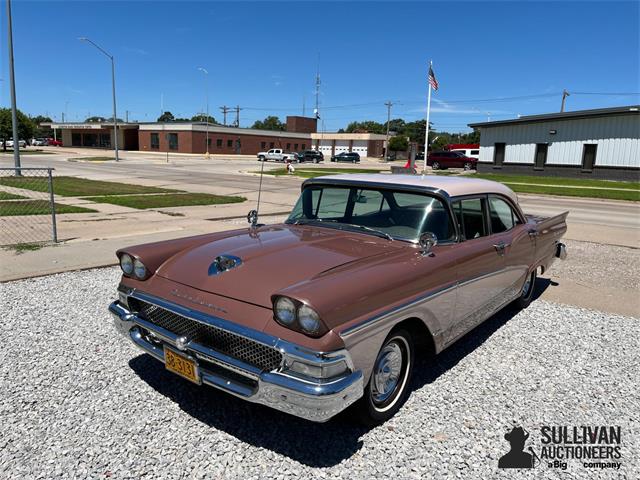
[271,259]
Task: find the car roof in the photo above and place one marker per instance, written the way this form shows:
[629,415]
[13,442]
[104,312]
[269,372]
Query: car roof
[447,185]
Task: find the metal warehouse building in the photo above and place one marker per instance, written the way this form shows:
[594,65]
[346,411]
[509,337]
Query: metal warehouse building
[602,143]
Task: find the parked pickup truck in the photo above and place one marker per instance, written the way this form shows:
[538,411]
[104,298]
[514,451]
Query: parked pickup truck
[277,155]
[330,308]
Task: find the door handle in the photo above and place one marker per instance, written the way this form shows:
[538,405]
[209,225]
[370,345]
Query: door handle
[533,233]
[500,247]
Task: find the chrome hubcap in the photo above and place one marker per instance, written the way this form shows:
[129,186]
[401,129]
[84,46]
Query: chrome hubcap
[386,372]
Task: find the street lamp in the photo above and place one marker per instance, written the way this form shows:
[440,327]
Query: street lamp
[206,95]
[113,89]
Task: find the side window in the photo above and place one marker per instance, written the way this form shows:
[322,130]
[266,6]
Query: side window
[501,215]
[470,216]
[368,202]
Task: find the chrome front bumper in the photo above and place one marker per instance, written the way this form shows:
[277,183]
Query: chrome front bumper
[313,399]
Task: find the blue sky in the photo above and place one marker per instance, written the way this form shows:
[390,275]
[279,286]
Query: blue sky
[262,56]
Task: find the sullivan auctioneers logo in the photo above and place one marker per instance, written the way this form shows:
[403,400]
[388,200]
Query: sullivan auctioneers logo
[591,446]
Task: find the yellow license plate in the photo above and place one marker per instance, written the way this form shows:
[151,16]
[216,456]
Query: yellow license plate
[183,366]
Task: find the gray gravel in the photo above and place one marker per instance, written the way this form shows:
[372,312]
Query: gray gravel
[77,401]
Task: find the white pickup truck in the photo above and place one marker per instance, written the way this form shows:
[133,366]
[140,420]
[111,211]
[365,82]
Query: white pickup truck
[278,155]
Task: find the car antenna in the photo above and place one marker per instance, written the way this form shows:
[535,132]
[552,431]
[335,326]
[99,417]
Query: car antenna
[252,217]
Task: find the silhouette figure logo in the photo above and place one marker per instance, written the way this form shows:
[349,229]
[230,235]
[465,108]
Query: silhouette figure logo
[516,457]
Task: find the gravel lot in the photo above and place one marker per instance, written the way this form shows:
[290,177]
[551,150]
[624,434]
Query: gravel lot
[78,401]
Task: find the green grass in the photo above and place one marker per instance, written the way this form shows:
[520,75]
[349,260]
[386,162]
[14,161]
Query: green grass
[25,247]
[171,200]
[92,159]
[37,207]
[317,172]
[26,152]
[79,187]
[568,182]
[630,195]
[9,196]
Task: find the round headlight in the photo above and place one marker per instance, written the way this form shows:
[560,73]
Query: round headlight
[285,310]
[308,319]
[126,264]
[139,269]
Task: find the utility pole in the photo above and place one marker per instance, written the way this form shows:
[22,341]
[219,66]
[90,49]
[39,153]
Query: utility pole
[225,110]
[304,109]
[126,116]
[565,94]
[237,109]
[14,108]
[389,104]
[62,117]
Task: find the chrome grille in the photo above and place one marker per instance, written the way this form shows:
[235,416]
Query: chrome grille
[236,346]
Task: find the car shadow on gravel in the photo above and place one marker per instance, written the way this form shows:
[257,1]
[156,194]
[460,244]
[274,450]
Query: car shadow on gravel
[312,444]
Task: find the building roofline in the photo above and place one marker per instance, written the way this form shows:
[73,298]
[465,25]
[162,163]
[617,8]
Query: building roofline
[598,112]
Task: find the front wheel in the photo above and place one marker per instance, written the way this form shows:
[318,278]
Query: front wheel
[261,158]
[467,166]
[388,386]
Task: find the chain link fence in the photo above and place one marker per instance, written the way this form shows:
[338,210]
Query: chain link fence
[27,208]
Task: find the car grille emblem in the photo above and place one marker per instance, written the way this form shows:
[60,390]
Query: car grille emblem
[224,263]
[182,342]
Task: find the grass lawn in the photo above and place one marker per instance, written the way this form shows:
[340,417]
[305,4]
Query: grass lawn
[317,172]
[171,200]
[37,207]
[630,195]
[9,196]
[27,152]
[568,182]
[92,159]
[25,247]
[79,187]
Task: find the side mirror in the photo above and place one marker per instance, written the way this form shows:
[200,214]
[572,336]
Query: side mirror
[427,241]
[252,217]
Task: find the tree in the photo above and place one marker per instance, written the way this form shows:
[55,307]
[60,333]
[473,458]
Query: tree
[398,143]
[203,118]
[25,125]
[95,120]
[396,125]
[270,123]
[368,126]
[166,117]
[39,131]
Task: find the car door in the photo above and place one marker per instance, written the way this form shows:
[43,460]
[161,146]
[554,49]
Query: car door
[480,266]
[512,240]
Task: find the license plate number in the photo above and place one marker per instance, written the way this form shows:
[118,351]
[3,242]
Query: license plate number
[183,366]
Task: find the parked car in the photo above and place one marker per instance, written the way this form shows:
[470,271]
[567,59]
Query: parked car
[330,308]
[352,157]
[21,143]
[38,142]
[53,142]
[444,160]
[310,156]
[278,155]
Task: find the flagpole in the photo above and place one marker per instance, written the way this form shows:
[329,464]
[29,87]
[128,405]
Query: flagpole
[426,135]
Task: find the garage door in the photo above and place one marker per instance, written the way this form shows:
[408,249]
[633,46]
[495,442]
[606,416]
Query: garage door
[360,146]
[342,146]
[325,147]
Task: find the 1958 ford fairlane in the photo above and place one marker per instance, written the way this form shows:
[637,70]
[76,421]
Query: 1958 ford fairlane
[328,308]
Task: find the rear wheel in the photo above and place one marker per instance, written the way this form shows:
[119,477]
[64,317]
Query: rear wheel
[388,386]
[526,295]
[435,165]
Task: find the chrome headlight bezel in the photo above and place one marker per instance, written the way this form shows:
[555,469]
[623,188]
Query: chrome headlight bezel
[309,323]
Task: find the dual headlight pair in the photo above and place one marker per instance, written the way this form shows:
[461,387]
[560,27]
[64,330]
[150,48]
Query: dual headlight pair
[297,316]
[133,267]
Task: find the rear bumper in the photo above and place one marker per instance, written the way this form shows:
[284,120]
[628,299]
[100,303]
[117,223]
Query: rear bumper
[313,399]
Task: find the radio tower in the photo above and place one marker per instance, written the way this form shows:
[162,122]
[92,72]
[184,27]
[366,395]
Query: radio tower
[316,111]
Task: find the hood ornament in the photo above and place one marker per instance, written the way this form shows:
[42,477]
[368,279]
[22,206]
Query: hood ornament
[224,263]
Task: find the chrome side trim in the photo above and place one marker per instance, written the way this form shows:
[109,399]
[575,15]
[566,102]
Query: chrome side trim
[405,306]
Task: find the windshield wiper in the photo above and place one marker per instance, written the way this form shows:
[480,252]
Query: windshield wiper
[338,224]
[368,229]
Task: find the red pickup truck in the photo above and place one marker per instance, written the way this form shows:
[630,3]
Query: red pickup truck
[443,160]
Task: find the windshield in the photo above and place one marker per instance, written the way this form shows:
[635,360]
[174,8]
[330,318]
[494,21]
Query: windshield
[386,213]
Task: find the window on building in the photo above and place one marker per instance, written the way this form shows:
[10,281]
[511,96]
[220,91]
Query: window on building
[229,143]
[155,141]
[304,146]
[263,145]
[173,141]
[105,140]
[219,143]
[288,146]
[76,140]
[271,144]
[208,142]
[295,146]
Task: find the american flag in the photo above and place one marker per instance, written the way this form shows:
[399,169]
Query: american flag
[432,79]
